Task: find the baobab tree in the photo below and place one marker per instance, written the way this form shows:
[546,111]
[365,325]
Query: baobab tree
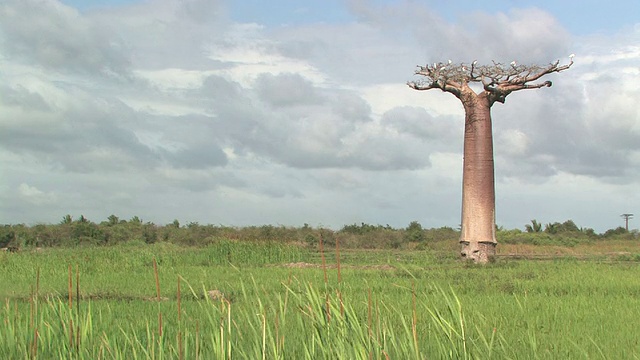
[494,83]
[626,220]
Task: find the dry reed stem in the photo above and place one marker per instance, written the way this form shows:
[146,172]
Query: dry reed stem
[414,320]
[339,277]
[34,345]
[326,279]
[70,293]
[78,308]
[31,307]
[386,356]
[338,259]
[37,289]
[180,349]
[70,289]
[378,325]
[155,271]
[36,297]
[228,328]
[369,318]
[179,302]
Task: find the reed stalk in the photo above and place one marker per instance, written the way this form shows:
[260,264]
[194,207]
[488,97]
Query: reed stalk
[155,272]
[180,345]
[70,293]
[326,280]
[339,277]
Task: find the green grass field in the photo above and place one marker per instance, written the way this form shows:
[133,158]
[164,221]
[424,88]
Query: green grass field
[281,303]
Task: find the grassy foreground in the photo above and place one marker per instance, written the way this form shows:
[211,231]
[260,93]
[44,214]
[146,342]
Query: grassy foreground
[276,301]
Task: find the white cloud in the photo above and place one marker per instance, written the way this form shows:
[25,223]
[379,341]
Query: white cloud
[384,97]
[36,196]
[58,37]
[168,109]
[513,142]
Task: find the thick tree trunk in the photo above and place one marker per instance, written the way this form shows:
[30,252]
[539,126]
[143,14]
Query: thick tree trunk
[478,233]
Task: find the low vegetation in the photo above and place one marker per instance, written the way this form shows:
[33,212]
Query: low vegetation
[305,293]
[83,232]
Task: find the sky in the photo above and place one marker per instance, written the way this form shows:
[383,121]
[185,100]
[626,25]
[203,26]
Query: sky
[288,112]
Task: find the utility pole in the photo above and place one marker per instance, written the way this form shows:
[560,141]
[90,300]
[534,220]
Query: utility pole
[626,220]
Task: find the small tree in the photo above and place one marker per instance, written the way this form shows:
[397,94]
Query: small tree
[113,220]
[535,227]
[496,81]
[414,232]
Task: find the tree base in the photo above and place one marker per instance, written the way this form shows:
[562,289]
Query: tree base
[478,252]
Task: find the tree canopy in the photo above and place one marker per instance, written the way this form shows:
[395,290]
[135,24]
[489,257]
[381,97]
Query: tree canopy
[498,80]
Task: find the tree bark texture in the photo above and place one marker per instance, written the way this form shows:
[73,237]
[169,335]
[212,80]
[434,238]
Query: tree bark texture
[478,230]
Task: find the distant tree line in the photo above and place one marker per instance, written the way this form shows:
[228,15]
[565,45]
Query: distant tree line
[84,232]
[564,234]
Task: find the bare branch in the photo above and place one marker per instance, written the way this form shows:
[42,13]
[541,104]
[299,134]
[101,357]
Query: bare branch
[438,76]
[497,79]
